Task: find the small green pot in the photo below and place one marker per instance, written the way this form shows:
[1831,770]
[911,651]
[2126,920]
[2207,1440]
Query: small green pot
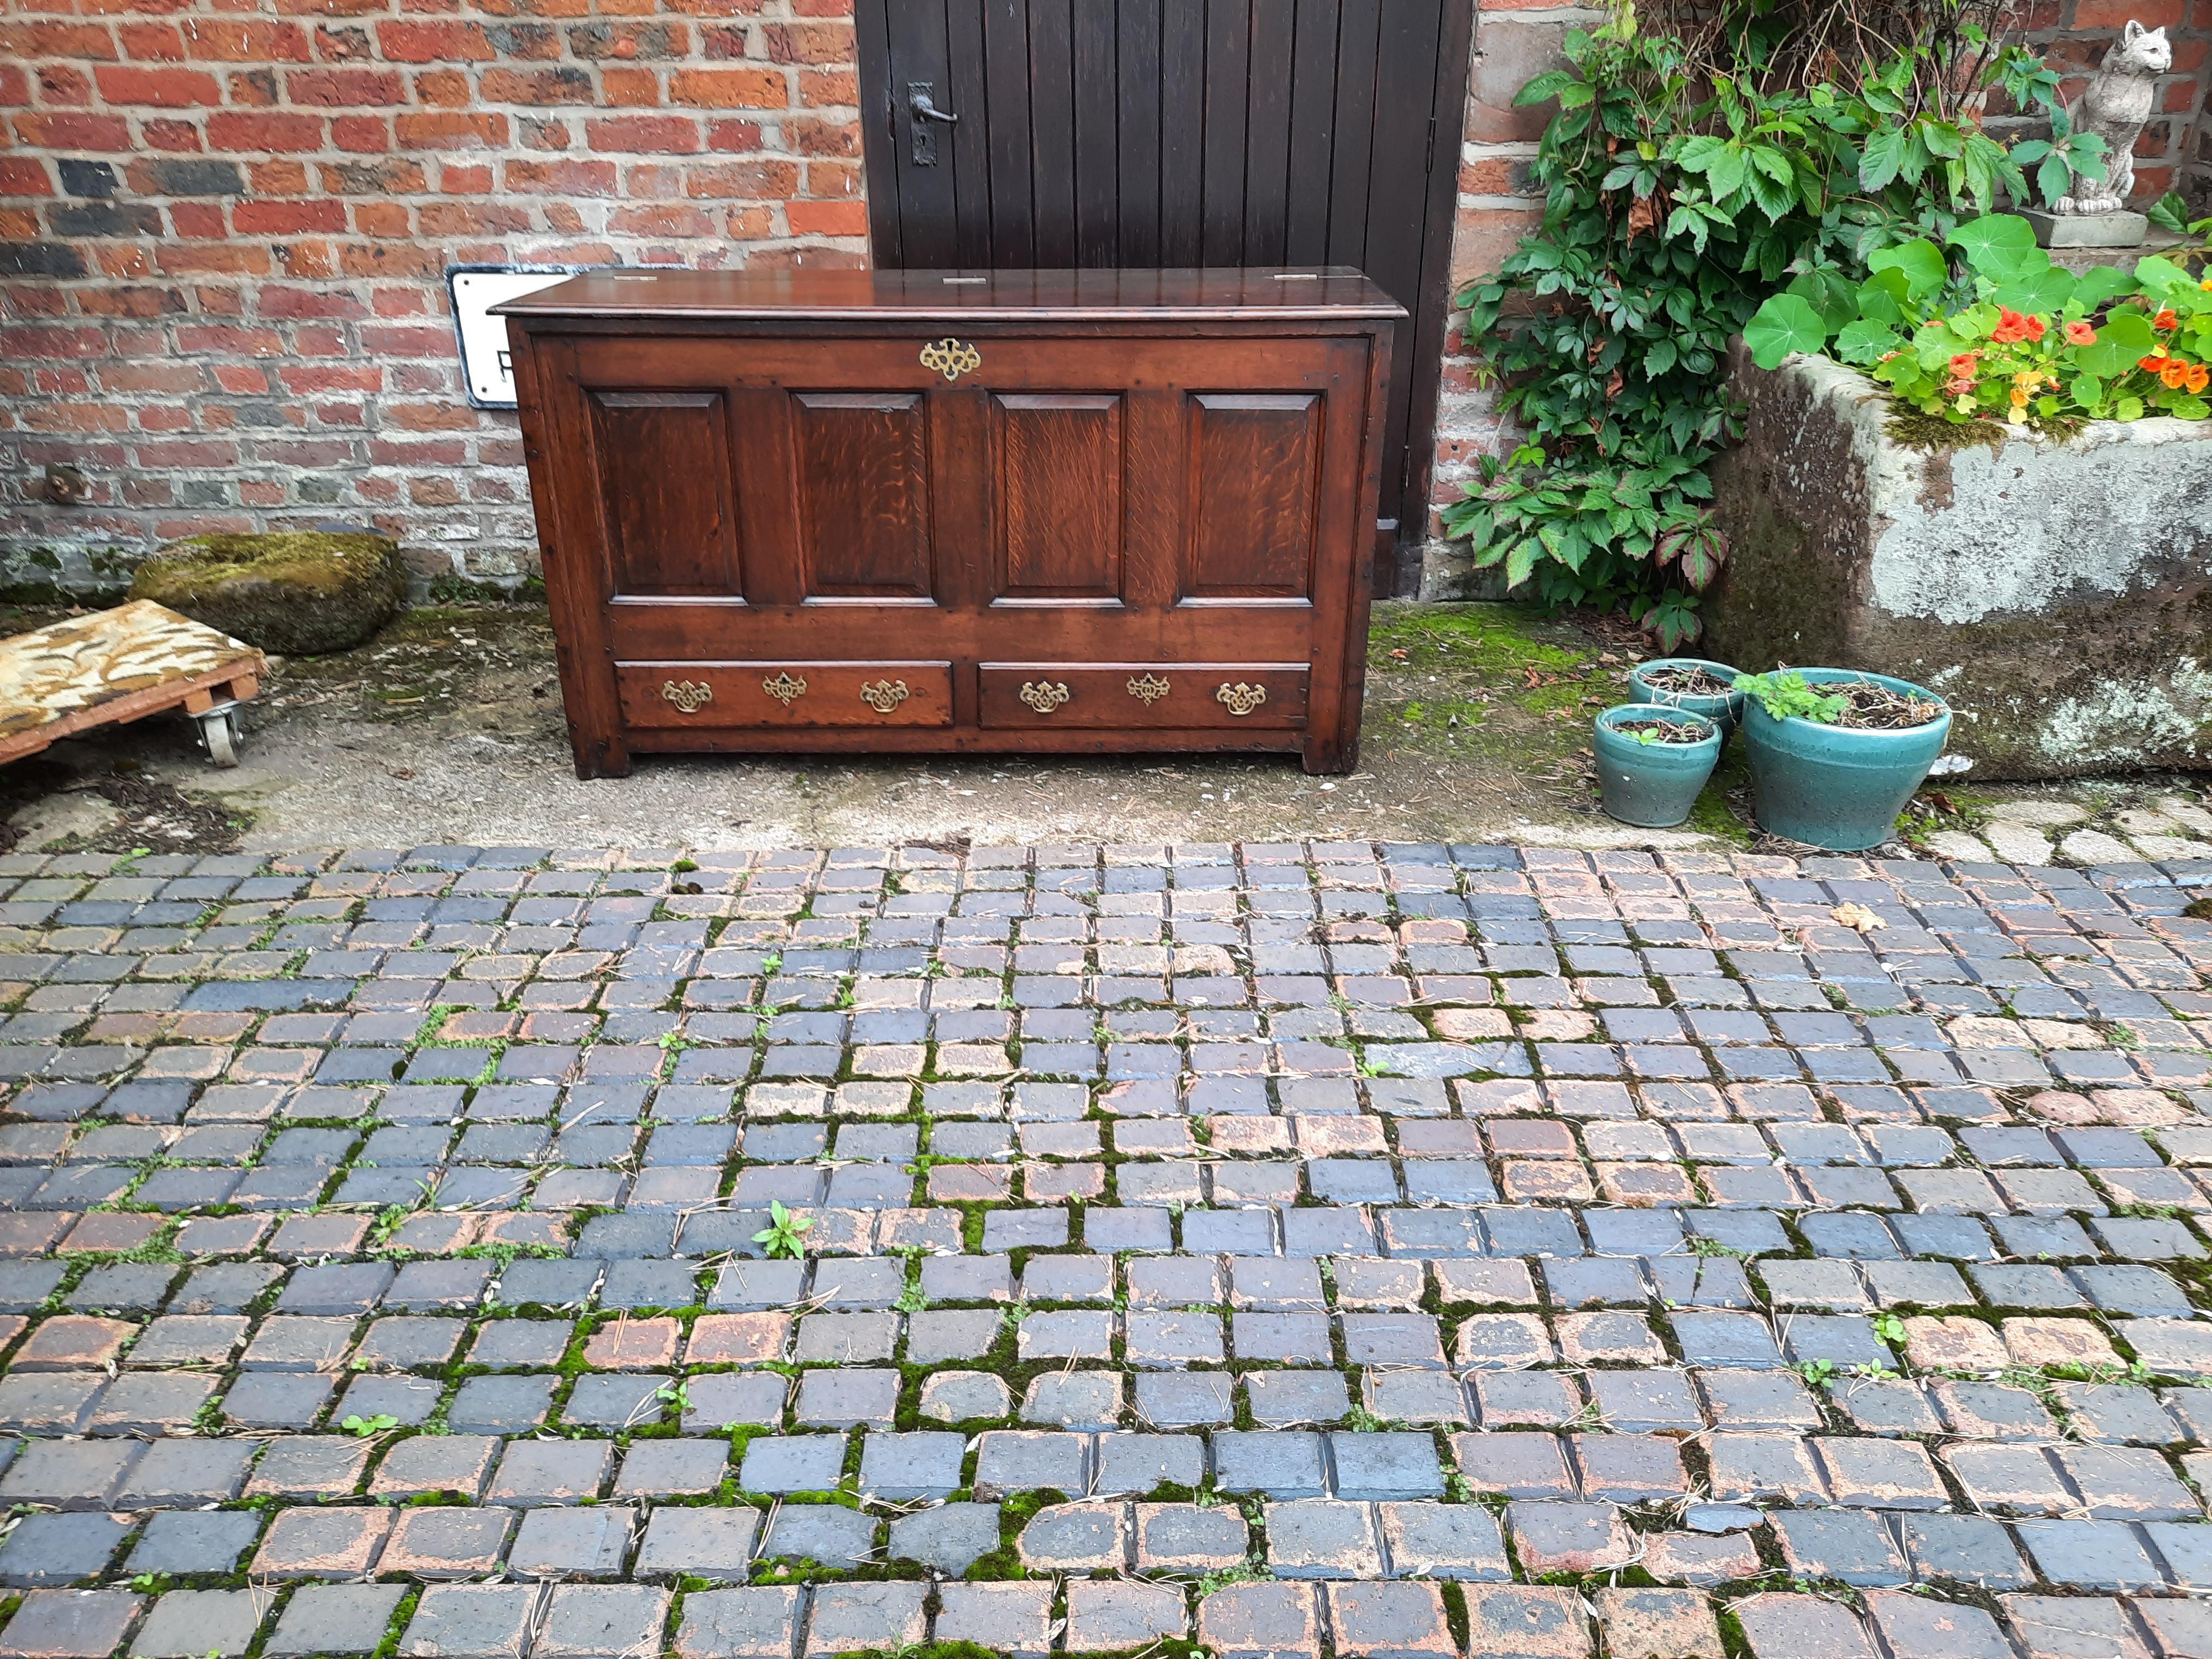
[1832,787]
[1652,785]
[1724,710]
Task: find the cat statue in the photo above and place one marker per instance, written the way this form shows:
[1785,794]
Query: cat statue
[2115,107]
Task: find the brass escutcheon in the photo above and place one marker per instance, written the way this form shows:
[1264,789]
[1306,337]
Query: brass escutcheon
[689,696]
[783,688]
[1240,698]
[884,695]
[1044,695]
[1149,690]
[951,358]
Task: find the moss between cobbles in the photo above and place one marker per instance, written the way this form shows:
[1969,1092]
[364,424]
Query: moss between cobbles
[1016,1510]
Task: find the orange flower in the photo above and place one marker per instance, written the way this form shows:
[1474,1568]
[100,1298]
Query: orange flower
[2011,326]
[2199,377]
[2154,362]
[2165,319]
[2079,333]
[2175,374]
[1964,362]
[2020,397]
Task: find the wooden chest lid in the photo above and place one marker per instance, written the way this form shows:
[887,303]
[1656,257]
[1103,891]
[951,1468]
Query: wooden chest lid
[1335,293]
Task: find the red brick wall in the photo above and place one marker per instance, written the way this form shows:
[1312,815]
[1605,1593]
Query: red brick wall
[1514,41]
[223,226]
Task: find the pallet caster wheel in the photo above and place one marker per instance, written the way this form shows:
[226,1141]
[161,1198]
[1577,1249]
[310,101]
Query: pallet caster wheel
[219,732]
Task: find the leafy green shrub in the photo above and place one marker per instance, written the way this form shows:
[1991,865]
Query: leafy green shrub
[1687,176]
[1786,693]
[2017,339]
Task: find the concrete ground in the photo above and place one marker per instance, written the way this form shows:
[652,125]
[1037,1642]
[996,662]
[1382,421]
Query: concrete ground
[448,728]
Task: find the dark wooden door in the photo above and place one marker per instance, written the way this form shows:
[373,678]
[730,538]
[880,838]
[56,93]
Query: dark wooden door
[1174,133]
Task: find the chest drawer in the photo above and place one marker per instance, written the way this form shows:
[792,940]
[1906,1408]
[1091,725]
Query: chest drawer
[1161,696]
[666,695]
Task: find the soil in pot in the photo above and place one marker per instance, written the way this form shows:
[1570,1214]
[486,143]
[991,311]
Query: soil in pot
[1652,761]
[1703,687]
[1836,753]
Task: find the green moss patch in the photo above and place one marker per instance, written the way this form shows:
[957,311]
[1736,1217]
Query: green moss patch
[298,591]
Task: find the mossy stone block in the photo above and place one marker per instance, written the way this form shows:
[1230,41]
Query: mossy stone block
[297,591]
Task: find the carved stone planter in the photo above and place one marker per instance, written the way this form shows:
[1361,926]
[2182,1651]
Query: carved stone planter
[2057,596]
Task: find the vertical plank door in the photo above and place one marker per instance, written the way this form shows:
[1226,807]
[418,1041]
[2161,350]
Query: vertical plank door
[1172,133]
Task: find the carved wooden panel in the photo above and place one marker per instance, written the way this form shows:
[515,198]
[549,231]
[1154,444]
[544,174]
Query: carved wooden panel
[863,518]
[664,481]
[1253,462]
[1059,497]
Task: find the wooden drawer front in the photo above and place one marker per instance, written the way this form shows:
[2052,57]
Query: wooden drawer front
[675,695]
[1184,696]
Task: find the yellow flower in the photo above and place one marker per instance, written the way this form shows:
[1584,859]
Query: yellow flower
[1965,405]
[2016,416]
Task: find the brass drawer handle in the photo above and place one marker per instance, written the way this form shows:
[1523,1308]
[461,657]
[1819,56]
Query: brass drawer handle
[1240,698]
[951,358]
[783,688]
[1044,695]
[884,695]
[689,696]
[1149,690]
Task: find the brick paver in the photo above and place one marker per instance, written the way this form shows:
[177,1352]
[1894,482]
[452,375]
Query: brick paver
[1413,1242]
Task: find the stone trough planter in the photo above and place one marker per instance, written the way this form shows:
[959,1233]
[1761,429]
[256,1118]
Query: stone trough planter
[2058,597]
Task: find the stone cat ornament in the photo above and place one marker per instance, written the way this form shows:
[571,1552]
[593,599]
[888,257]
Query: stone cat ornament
[2116,104]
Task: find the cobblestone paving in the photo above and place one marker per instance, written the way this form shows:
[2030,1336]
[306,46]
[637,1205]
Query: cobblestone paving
[1404,1250]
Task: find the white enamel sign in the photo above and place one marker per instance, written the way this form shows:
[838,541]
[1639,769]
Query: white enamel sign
[487,366]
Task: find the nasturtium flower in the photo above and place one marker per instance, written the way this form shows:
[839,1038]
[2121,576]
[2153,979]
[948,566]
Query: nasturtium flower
[2154,362]
[2165,319]
[2080,333]
[2175,374]
[2199,377]
[1964,362]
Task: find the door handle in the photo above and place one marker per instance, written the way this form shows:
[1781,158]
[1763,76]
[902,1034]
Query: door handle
[924,110]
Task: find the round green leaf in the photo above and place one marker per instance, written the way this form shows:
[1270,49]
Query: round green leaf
[2045,291]
[1828,292]
[1919,261]
[2122,338]
[1784,324]
[2099,284]
[1863,341]
[1996,243]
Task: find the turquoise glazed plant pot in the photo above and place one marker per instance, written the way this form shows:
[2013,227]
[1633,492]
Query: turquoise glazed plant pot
[1653,785]
[1724,710]
[1833,787]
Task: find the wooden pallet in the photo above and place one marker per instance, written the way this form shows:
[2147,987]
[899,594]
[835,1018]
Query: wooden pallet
[116,666]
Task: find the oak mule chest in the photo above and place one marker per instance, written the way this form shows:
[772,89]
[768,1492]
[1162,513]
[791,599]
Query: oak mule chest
[1052,511]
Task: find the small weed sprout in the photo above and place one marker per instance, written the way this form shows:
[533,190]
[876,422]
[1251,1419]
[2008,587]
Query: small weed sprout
[782,1236]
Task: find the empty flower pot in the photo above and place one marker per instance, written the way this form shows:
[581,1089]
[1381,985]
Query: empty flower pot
[1838,786]
[1653,785]
[1723,709]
